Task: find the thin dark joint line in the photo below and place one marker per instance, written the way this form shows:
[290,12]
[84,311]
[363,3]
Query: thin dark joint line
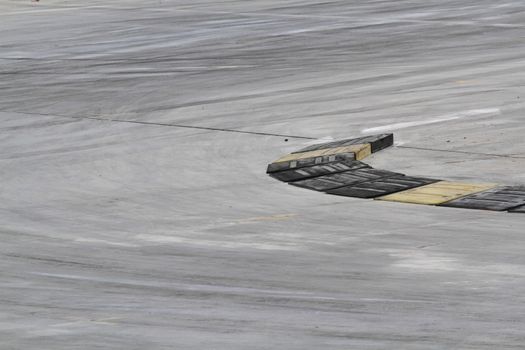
[462,152]
[167,124]
[197,127]
[120,59]
[182,70]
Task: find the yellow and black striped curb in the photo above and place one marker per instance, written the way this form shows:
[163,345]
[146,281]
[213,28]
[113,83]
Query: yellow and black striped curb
[336,168]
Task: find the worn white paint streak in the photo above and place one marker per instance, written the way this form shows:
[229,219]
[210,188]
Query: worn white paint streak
[33,10]
[444,118]
[424,260]
[163,239]
[319,141]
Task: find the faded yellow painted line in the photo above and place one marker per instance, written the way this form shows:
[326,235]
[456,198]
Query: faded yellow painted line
[436,193]
[276,217]
[360,151]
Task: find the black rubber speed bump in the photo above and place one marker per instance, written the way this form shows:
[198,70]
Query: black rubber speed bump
[377,143]
[499,199]
[307,162]
[381,187]
[318,170]
[520,209]
[335,168]
[346,178]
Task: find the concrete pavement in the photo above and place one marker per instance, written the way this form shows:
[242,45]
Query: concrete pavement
[134,214]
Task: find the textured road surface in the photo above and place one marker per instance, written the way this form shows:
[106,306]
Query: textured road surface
[135,212]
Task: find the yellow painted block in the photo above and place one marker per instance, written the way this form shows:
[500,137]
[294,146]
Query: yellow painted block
[360,151]
[363,151]
[436,193]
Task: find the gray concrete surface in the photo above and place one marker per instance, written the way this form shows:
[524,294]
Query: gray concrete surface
[128,221]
